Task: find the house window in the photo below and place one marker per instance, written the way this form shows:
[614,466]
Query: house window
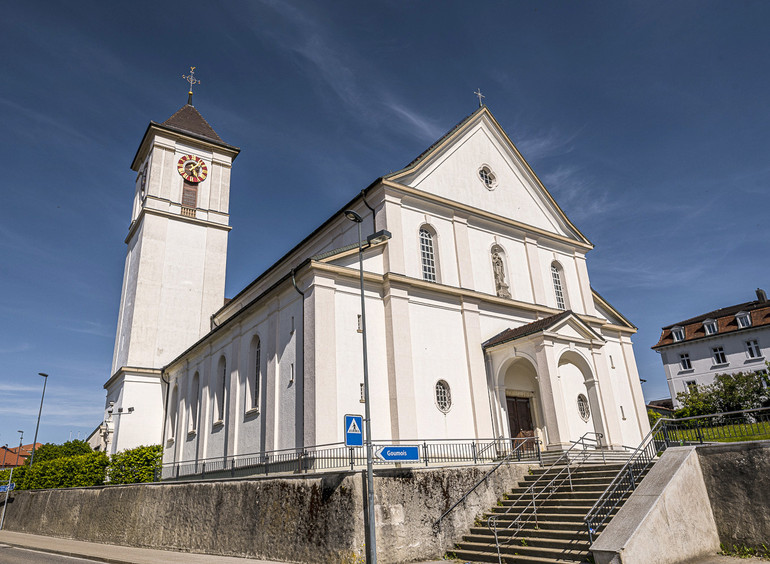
[488,177]
[718,354]
[427,255]
[583,409]
[558,289]
[684,361]
[752,348]
[710,325]
[443,396]
[744,320]
[691,386]
[677,333]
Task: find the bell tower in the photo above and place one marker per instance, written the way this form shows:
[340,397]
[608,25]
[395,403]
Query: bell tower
[174,276]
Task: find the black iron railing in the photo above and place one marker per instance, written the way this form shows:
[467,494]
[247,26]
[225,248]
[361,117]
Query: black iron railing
[732,426]
[523,449]
[559,474]
[336,456]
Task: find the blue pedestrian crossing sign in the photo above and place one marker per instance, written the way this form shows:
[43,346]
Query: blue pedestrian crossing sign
[354,435]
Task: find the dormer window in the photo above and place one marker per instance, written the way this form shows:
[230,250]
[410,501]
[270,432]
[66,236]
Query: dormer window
[677,333]
[744,319]
[710,326]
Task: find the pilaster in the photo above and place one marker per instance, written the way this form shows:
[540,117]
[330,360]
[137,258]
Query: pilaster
[398,343]
[535,273]
[477,381]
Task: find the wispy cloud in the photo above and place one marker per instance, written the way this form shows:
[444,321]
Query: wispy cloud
[344,74]
[91,328]
[46,121]
[549,143]
[15,349]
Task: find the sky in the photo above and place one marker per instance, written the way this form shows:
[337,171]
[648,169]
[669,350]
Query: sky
[647,122]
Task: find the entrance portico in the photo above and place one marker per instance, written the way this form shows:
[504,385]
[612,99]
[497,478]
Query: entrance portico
[544,382]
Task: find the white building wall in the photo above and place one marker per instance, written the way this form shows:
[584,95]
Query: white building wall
[701,357]
[438,343]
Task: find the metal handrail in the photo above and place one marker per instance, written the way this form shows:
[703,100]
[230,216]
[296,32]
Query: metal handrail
[332,456]
[507,459]
[654,443]
[567,455]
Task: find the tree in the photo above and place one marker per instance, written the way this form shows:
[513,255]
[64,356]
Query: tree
[729,392]
[50,451]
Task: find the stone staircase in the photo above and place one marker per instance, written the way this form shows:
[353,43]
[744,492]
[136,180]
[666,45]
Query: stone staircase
[558,535]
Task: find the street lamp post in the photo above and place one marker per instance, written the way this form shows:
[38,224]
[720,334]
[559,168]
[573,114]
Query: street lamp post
[39,413]
[371,540]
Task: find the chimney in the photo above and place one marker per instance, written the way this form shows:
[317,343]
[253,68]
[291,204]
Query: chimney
[761,295]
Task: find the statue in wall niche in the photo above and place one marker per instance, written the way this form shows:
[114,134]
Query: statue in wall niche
[497,266]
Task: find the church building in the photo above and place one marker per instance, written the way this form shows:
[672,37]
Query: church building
[481,321]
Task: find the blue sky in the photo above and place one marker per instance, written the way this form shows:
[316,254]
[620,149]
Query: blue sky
[647,121]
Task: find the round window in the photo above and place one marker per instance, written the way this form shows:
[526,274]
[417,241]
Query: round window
[443,396]
[487,177]
[583,409]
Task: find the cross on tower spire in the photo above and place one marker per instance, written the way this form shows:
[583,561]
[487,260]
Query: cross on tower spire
[480,96]
[192,80]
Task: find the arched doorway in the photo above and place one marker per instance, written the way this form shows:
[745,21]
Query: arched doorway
[521,400]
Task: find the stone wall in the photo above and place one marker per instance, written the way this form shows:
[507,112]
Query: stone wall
[737,477]
[315,518]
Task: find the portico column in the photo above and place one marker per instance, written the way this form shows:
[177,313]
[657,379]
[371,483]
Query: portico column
[551,397]
[601,394]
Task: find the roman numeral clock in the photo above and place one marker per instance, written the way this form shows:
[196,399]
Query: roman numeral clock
[192,168]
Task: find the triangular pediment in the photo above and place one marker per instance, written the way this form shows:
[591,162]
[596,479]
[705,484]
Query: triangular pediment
[572,328]
[565,326]
[451,167]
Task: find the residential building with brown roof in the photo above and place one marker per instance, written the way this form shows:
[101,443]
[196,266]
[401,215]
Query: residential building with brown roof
[727,340]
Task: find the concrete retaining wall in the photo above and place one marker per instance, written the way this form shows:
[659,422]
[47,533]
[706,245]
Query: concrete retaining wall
[298,519]
[667,519]
[693,499]
[737,477]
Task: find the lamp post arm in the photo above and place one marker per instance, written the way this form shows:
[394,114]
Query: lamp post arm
[39,413]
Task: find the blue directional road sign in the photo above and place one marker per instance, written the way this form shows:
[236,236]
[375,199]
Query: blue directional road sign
[399,453]
[354,435]
[7,488]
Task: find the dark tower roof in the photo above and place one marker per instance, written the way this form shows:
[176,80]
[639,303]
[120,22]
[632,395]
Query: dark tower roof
[190,120]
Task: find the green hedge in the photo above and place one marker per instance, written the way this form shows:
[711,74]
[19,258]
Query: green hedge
[91,469]
[136,465]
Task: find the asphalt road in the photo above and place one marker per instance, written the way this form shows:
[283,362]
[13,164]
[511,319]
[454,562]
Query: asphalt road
[11,555]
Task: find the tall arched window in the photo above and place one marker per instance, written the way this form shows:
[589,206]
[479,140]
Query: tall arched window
[194,395]
[428,254]
[221,388]
[172,412]
[558,286]
[255,378]
[189,198]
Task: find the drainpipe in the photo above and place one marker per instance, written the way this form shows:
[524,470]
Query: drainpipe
[374,223]
[301,293]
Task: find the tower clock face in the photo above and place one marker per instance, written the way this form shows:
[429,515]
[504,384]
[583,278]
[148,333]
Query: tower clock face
[192,168]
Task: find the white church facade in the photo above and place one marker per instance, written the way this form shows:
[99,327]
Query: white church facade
[481,320]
